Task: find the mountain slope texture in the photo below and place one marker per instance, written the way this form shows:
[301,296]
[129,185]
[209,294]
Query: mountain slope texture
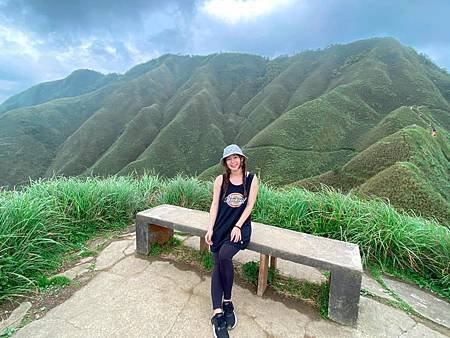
[355,117]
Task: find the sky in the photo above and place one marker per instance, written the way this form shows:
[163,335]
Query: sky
[45,40]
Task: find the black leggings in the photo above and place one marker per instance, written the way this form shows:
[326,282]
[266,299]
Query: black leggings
[223,274]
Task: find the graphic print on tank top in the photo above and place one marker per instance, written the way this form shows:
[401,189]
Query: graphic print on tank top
[235,200]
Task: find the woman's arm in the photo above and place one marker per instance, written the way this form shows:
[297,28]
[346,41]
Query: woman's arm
[214,208]
[250,203]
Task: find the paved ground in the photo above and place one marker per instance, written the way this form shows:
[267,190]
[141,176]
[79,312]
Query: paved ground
[134,297]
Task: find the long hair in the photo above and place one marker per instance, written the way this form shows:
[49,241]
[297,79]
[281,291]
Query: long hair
[227,173]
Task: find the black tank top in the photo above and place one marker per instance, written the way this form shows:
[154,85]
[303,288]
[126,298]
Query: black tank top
[230,210]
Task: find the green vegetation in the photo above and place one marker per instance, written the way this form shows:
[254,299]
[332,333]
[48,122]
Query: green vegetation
[158,249]
[398,302]
[30,136]
[292,287]
[354,116]
[251,271]
[207,261]
[79,82]
[174,250]
[48,219]
[8,332]
[57,281]
[317,293]
[409,168]
[386,237]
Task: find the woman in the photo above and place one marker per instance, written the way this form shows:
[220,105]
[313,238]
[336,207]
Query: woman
[229,231]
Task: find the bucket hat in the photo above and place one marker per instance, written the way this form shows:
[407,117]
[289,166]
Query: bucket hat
[231,150]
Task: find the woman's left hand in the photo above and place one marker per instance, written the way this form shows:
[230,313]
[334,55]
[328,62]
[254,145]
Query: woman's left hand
[235,234]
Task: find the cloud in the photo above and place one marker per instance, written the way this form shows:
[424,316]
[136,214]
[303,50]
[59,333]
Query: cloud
[43,40]
[46,40]
[83,17]
[14,41]
[234,11]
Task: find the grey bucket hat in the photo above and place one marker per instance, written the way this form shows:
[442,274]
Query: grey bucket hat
[231,150]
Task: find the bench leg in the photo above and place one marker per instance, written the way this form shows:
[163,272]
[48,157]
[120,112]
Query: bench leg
[203,246]
[263,272]
[146,234]
[273,262]
[142,245]
[343,305]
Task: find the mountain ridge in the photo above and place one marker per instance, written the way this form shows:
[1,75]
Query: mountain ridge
[297,117]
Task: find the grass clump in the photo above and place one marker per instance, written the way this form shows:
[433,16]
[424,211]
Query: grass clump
[398,303]
[185,192]
[387,238]
[251,272]
[158,249]
[318,294]
[207,261]
[8,332]
[47,219]
[54,282]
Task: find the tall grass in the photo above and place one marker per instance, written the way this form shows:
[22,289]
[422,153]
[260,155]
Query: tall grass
[49,218]
[185,192]
[389,239]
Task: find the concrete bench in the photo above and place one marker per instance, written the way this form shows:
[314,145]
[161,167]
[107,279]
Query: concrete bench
[340,258]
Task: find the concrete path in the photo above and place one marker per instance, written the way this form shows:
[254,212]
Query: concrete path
[135,297]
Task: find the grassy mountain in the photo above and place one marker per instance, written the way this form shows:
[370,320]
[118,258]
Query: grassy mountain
[79,82]
[316,117]
[366,89]
[30,137]
[410,168]
[201,127]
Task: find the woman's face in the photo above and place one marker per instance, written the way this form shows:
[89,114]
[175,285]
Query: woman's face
[233,162]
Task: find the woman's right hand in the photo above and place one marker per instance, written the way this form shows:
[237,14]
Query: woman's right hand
[208,237]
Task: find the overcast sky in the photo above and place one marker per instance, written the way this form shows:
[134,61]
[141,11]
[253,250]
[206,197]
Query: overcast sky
[43,40]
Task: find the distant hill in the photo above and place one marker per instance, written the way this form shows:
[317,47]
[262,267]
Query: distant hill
[79,82]
[409,168]
[352,116]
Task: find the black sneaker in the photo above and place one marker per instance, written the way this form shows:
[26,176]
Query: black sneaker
[230,316]
[219,326]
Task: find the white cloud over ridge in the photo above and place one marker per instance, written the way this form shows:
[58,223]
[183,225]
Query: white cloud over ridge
[235,11]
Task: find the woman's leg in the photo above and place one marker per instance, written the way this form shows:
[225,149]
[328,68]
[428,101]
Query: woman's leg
[226,253]
[216,284]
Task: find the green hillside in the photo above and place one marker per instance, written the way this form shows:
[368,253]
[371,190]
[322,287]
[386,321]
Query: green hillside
[30,137]
[343,118]
[201,128]
[349,116]
[79,82]
[89,143]
[410,168]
